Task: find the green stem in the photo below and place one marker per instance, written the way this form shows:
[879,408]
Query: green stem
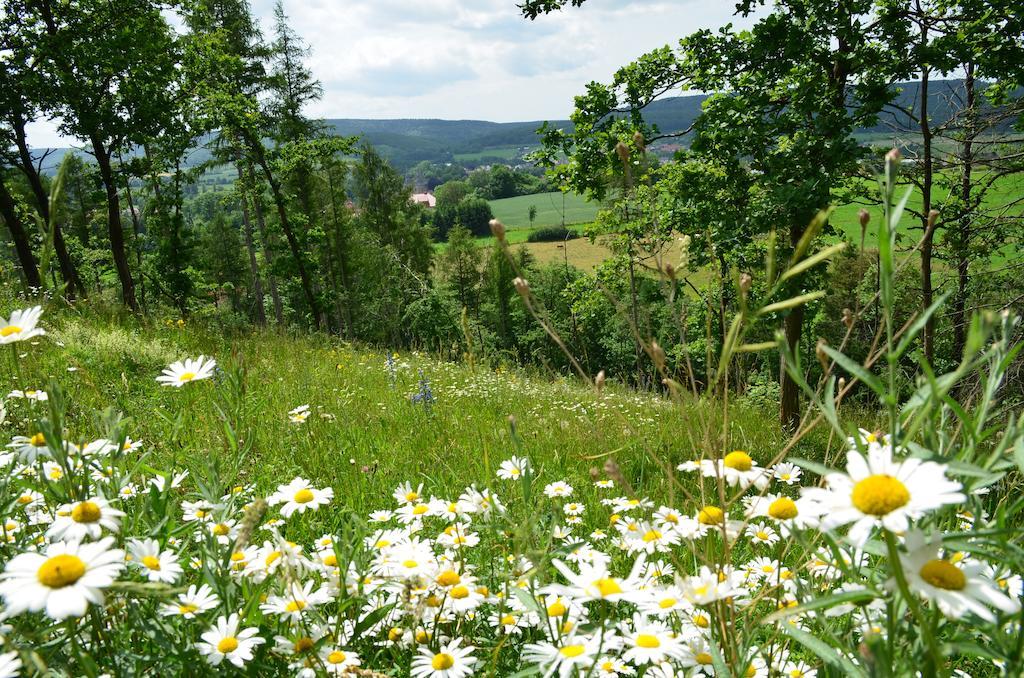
[927,630]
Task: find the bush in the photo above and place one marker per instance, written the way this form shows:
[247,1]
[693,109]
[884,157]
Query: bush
[553,234]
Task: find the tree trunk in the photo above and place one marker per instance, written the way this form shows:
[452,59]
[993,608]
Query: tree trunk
[9,211]
[256,149]
[963,238]
[250,247]
[789,410]
[275,296]
[67,268]
[928,335]
[114,227]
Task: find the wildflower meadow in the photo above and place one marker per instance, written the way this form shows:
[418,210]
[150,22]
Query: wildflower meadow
[180,503]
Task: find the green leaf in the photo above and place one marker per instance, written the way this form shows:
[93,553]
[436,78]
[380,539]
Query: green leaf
[790,303]
[813,261]
[919,323]
[822,603]
[812,466]
[822,650]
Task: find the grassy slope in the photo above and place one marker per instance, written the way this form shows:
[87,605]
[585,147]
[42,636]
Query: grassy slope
[359,420]
[514,212]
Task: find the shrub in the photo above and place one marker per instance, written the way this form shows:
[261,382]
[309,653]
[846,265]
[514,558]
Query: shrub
[553,234]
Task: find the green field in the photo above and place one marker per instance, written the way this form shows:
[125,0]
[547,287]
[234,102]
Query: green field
[503,152]
[551,211]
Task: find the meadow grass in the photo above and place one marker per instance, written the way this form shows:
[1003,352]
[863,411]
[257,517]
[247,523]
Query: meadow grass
[365,435]
[515,212]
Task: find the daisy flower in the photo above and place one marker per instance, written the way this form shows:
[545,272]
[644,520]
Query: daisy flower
[338,661]
[182,372]
[192,602]
[31,448]
[513,469]
[21,326]
[877,490]
[652,643]
[405,494]
[573,654]
[10,665]
[956,590]
[296,600]
[558,489]
[737,468]
[786,472]
[450,661]
[299,495]
[159,566]
[225,641]
[29,394]
[299,415]
[594,582]
[62,580]
[85,520]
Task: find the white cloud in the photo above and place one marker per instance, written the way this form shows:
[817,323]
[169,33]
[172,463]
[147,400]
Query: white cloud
[480,59]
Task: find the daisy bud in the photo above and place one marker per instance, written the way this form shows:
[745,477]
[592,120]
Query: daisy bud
[745,283]
[893,157]
[622,150]
[253,516]
[848,318]
[864,217]
[599,381]
[670,271]
[498,230]
[933,216]
[658,355]
[639,141]
[819,351]
[522,287]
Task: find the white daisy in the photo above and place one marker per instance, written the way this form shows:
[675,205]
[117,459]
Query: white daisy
[192,602]
[225,641]
[85,520]
[30,448]
[877,490]
[62,580]
[191,369]
[30,394]
[572,656]
[450,661]
[338,661]
[513,469]
[956,590]
[10,665]
[21,326]
[652,643]
[299,495]
[157,565]
[299,415]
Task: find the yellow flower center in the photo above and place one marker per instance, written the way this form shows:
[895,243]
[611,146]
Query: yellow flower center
[762,535]
[303,645]
[879,495]
[228,644]
[187,608]
[783,508]
[303,496]
[38,440]
[274,555]
[295,606]
[60,571]
[152,562]
[336,657]
[394,633]
[412,496]
[187,376]
[442,661]
[647,641]
[508,620]
[666,603]
[943,574]
[710,515]
[460,592]
[409,564]
[738,460]
[449,578]
[221,529]
[9,330]
[652,535]
[701,621]
[25,499]
[237,556]
[557,609]
[420,509]
[330,560]
[421,636]
[85,512]
[571,651]
[607,587]
[704,658]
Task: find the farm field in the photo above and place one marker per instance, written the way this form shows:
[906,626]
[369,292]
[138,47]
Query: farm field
[514,212]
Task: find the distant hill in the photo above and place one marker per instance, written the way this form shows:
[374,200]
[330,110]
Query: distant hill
[406,142]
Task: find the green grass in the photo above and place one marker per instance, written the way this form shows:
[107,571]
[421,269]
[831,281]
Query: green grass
[515,212]
[364,436]
[503,152]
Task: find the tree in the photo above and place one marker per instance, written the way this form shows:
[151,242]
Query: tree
[459,266]
[532,214]
[792,90]
[475,214]
[111,68]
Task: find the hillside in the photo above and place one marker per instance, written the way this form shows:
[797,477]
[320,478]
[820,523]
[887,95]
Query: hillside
[406,142]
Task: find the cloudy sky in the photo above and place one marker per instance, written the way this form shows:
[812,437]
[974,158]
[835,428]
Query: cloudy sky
[471,59]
